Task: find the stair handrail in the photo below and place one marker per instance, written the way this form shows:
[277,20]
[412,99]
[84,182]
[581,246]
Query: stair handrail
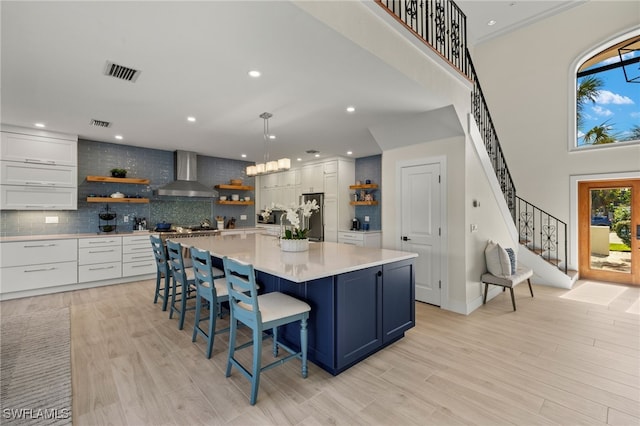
[442,26]
[482,116]
[542,232]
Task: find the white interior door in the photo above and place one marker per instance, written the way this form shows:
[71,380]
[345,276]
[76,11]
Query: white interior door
[421,227]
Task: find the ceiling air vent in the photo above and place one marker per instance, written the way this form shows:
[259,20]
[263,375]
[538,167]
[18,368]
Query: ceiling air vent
[100,123]
[312,151]
[123,73]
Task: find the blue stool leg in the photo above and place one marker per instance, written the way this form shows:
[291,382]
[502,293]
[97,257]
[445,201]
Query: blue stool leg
[274,332]
[212,327]
[303,345]
[155,296]
[196,320]
[167,283]
[173,298]
[257,355]
[232,345]
[183,305]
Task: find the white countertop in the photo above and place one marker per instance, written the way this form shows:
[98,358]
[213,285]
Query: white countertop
[321,260]
[71,236]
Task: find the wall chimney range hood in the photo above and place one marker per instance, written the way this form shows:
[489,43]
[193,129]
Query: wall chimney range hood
[186,183]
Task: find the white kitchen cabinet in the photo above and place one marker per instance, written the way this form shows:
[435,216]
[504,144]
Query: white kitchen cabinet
[38,170]
[331,219]
[99,258]
[13,173]
[14,197]
[19,145]
[28,265]
[312,178]
[361,238]
[137,256]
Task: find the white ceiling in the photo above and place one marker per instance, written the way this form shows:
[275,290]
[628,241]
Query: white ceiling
[194,58]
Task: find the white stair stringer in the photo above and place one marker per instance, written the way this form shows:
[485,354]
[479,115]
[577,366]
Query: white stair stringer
[544,273]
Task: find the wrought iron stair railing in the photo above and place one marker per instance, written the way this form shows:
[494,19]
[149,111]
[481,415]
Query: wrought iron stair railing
[443,27]
[439,23]
[542,233]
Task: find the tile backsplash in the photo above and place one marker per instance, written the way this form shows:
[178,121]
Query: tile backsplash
[98,158]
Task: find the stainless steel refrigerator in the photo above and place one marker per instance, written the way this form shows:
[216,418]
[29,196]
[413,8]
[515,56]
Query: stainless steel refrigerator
[315,223]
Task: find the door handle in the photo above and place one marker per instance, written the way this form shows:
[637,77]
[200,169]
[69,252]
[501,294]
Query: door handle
[406,239]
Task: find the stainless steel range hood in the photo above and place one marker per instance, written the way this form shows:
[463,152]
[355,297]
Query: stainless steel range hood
[186,178]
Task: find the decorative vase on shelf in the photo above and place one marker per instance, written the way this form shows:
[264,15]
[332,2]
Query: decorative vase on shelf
[294,245]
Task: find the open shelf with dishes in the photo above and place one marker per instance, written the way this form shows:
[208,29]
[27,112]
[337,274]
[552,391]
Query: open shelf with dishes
[236,203]
[364,189]
[235,187]
[109,179]
[241,201]
[117,200]
[364,186]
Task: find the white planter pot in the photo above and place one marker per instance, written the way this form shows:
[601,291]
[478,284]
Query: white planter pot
[294,245]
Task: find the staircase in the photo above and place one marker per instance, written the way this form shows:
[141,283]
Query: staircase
[441,25]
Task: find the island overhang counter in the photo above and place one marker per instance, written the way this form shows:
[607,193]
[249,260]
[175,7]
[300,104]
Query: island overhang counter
[362,299]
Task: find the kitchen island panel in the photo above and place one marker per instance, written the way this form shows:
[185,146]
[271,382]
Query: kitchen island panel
[358,313]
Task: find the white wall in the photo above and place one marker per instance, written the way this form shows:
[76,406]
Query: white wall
[453,150]
[528,77]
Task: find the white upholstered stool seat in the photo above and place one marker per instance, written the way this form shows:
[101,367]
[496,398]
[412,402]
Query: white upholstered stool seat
[509,282]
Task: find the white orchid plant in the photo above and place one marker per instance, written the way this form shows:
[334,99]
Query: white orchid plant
[293,215]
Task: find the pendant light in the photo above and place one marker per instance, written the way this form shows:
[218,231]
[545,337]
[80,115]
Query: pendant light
[268,166]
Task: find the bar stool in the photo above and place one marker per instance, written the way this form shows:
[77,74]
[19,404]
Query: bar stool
[163,271]
[268,311]
[211,286]
[182,276]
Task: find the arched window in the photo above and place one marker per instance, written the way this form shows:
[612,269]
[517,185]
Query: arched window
[608,94]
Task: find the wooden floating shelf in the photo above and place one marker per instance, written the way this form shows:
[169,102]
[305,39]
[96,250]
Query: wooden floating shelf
[364,186]
[237,203]
[364,203]
[117,200]
[235,187]
[117,180]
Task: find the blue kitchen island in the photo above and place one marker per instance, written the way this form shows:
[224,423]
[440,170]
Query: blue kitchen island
[362,299]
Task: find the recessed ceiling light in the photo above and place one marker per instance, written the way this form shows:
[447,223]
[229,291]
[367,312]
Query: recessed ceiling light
[492,22]
[244,155]
[351,109]
[298,159]
[272,136]
[317,155]
[254,73]
[349,152]
[191,119]
[39,124]
[119,137]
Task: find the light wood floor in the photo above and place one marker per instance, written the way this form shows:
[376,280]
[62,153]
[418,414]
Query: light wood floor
[560,359]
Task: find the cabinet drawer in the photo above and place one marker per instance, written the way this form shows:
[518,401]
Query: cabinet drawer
[97,255]
[31,277]
[38,149]
[138,248]
[15,197]
[13,173]
[38,252]
[351,236]
[138,257]
[98,272]
[99,242]
[139,268]
[137,239]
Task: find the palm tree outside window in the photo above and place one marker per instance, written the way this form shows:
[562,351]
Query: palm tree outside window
[607,99]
